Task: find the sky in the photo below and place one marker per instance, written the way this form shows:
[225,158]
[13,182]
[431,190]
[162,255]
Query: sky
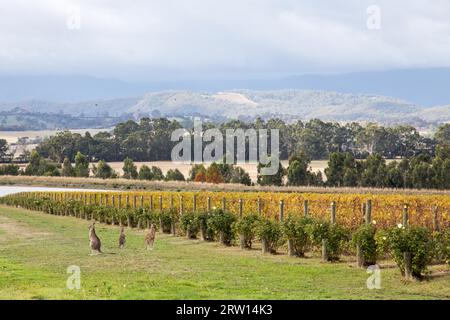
[201,39]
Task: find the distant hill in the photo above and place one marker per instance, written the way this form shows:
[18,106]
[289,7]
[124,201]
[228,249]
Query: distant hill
[19,119]
[234,104]
[302,104]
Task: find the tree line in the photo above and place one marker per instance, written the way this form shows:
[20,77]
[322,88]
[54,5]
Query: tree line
[356,155]
[40,166]
[150,140]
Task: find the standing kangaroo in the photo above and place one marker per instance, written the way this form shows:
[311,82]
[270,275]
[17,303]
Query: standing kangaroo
[94,240]
[150,237]
[122,237]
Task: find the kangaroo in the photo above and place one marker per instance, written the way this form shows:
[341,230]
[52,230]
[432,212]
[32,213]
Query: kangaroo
[150,237]
[94,240]
[122,237]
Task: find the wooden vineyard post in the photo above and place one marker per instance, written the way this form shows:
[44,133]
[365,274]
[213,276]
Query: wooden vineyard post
[101,199]
[181,204]
[241,208]
[368,213]
[324,250]
[161,227]
[359,256]
[242,238]
[173,223]
[141,206]
[363,210]
[434,211]
[405,215]
[151,203]
[281,210]
[181,211]
[325,255]
[259,207]
[194,203]
[407,256]
[113,205]
[208,205]
[333,213]
[367,220]
[129,223]
[119,201]
[305,208]
[171,202]
[127,201]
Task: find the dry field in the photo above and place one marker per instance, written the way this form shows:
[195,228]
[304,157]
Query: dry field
[251,168]
[125,184]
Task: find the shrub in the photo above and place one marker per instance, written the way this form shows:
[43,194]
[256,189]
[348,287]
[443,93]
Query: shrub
[9,169]
[381,239]
[296,232]
[334,235]
[165,219]
[206,233]
[270,234]
[213,174]
[221,223]
[442,245]
[415,240]
[190,225]
[145,173]
[245,227]
[174,175]
[103,170]
[129,169]
[364,237]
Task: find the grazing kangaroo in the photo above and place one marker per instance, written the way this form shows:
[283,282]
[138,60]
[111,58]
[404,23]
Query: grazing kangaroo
[94,240]
[122,237]
[150,237]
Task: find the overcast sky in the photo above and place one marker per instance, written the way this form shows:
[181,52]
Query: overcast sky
[148,39]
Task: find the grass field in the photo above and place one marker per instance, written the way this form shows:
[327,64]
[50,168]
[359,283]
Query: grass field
[36,249]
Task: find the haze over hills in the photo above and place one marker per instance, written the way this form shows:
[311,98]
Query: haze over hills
[425,87]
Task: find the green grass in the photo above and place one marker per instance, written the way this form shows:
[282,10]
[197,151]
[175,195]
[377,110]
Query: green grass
[36,249]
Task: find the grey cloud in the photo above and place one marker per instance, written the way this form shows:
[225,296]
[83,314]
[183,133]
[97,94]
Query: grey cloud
[193,37]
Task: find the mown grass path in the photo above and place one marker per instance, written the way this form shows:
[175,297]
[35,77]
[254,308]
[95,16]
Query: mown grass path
[36,249]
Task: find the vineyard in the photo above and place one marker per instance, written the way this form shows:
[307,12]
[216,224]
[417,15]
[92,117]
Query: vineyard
[413,230]
[429,211]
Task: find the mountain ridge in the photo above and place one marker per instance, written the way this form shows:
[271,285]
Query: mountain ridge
[289,104]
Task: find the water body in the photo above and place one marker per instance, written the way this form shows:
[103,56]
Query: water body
[6,190]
